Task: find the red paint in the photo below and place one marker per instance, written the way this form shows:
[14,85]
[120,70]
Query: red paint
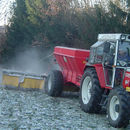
[126,81]
[101,75]
[72,63]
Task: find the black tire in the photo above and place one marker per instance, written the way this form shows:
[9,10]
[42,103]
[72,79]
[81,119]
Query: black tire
[93,104]
[118,114]
[54,83]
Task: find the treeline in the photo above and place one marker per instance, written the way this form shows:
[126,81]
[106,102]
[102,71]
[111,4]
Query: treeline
[48,23]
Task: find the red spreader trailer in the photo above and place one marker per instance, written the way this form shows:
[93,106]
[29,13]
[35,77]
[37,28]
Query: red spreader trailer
[72,63]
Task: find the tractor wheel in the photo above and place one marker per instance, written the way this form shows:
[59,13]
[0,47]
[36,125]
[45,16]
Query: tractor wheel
[118,108]
[54,84]
[90,92]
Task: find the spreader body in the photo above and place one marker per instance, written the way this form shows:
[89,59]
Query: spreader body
[72,63]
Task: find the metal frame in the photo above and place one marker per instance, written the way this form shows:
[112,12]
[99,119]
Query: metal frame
[23,74]
[115,62]
[113,37]
[110,37]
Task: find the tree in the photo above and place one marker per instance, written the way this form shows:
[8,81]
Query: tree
[63,22]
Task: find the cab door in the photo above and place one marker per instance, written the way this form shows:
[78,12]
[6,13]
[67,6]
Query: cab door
[108,62]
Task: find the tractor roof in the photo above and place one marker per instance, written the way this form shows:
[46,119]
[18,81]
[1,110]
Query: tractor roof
[110,37]
[113,37]
[98,43]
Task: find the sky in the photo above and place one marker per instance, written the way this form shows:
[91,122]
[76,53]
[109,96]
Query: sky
[5,11]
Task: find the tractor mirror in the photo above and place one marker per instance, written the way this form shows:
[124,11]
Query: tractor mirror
[106,47]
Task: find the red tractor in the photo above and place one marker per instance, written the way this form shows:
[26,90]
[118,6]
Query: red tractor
[102,74]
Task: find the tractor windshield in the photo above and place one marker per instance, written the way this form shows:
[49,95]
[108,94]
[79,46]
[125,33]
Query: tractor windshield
[123,58]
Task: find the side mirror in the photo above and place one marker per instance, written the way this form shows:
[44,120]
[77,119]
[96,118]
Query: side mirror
[106,47]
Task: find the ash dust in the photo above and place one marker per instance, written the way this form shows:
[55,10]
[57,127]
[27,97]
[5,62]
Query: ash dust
[32,60]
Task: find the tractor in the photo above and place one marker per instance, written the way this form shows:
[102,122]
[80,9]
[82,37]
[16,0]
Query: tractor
[102,75]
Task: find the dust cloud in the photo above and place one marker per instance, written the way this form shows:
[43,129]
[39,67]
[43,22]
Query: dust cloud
[32,60]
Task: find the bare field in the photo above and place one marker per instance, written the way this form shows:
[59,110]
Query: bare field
[34,110]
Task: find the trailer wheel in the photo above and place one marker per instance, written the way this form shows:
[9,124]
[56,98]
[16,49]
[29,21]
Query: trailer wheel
[118,108]
[54,84]
[90,92]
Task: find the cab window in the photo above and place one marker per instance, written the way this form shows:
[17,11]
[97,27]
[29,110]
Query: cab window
[99,54]
[92,55]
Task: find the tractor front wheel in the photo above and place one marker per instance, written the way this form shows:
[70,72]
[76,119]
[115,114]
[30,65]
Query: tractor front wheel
[90,92]
[54,83]
[118,108]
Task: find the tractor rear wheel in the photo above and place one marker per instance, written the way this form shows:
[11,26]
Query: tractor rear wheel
[118,108]
[90,92]
[54,83]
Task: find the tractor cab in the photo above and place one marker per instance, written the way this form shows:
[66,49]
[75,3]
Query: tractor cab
[112,51]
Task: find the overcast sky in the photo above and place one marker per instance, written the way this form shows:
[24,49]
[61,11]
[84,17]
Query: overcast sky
[5,10]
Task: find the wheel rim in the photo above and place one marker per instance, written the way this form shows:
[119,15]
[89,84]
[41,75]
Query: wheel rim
[86,87]
[112,108]
[49,83]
